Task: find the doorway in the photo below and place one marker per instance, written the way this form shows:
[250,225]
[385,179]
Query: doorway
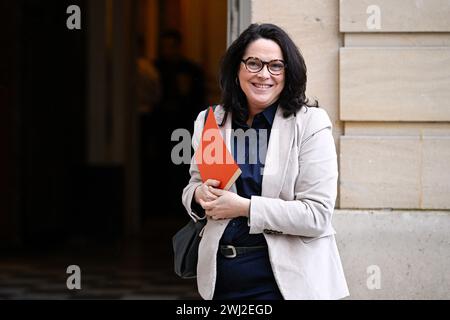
[71,136]
[180,44]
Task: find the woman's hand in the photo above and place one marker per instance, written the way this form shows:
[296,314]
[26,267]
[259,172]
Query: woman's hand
[226,205]
[202,192]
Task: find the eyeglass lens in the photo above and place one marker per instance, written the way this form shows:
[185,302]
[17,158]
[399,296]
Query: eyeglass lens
[256,65]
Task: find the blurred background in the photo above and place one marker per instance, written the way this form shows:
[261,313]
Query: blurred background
[86,117]
[86,121]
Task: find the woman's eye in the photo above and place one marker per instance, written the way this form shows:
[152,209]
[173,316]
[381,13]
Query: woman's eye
[277,66]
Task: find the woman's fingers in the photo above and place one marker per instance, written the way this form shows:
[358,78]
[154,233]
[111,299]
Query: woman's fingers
[217,192]
[210,196]
[212,182]
[207,195]
[206,205]
[203,204]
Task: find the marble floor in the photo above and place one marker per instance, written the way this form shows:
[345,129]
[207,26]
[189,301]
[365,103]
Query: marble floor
[139,268]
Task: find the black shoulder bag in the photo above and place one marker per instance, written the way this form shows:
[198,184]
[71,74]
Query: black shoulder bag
[185,245]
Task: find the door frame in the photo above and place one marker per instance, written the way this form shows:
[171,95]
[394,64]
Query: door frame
[239,18]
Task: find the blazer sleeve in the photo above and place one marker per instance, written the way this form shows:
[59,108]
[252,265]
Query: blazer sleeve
[195,179]
[309,214]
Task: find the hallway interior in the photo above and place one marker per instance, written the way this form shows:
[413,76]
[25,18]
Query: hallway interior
[78,166]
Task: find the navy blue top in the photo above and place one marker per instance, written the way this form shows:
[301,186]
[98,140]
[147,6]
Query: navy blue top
[249,182]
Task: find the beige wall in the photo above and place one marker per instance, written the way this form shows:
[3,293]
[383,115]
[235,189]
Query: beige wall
[395,101]
[313,25]
[387,90]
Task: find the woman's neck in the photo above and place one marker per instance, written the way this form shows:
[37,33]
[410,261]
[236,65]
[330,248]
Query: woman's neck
[253,111]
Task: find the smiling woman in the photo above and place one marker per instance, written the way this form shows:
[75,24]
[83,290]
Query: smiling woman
[252,245]
[260,86]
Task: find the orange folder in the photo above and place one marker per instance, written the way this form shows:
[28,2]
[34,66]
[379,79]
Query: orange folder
[213,159]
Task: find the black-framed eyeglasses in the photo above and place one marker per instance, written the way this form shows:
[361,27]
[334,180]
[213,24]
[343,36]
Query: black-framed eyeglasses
[254,65]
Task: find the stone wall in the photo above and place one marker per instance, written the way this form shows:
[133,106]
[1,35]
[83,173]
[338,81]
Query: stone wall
[381,69]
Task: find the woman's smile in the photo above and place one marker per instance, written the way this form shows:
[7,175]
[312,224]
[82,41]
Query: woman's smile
[262,85]
[261,88]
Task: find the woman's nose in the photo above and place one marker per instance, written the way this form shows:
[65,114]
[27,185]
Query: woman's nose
[264,73]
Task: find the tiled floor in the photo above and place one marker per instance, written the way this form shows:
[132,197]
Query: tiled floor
[136,269]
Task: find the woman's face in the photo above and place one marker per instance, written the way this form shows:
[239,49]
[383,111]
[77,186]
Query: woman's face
[261,88]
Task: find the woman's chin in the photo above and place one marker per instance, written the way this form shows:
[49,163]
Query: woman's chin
[261,102]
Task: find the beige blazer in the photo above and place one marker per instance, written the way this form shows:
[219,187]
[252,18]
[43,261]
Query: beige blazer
[294,212]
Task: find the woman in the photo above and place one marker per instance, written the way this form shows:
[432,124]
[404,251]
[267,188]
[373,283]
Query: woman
[270,235]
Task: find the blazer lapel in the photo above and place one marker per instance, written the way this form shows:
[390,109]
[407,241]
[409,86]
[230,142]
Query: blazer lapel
[278,152]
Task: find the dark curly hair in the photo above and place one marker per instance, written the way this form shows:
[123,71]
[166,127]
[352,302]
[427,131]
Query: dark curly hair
[292,98]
